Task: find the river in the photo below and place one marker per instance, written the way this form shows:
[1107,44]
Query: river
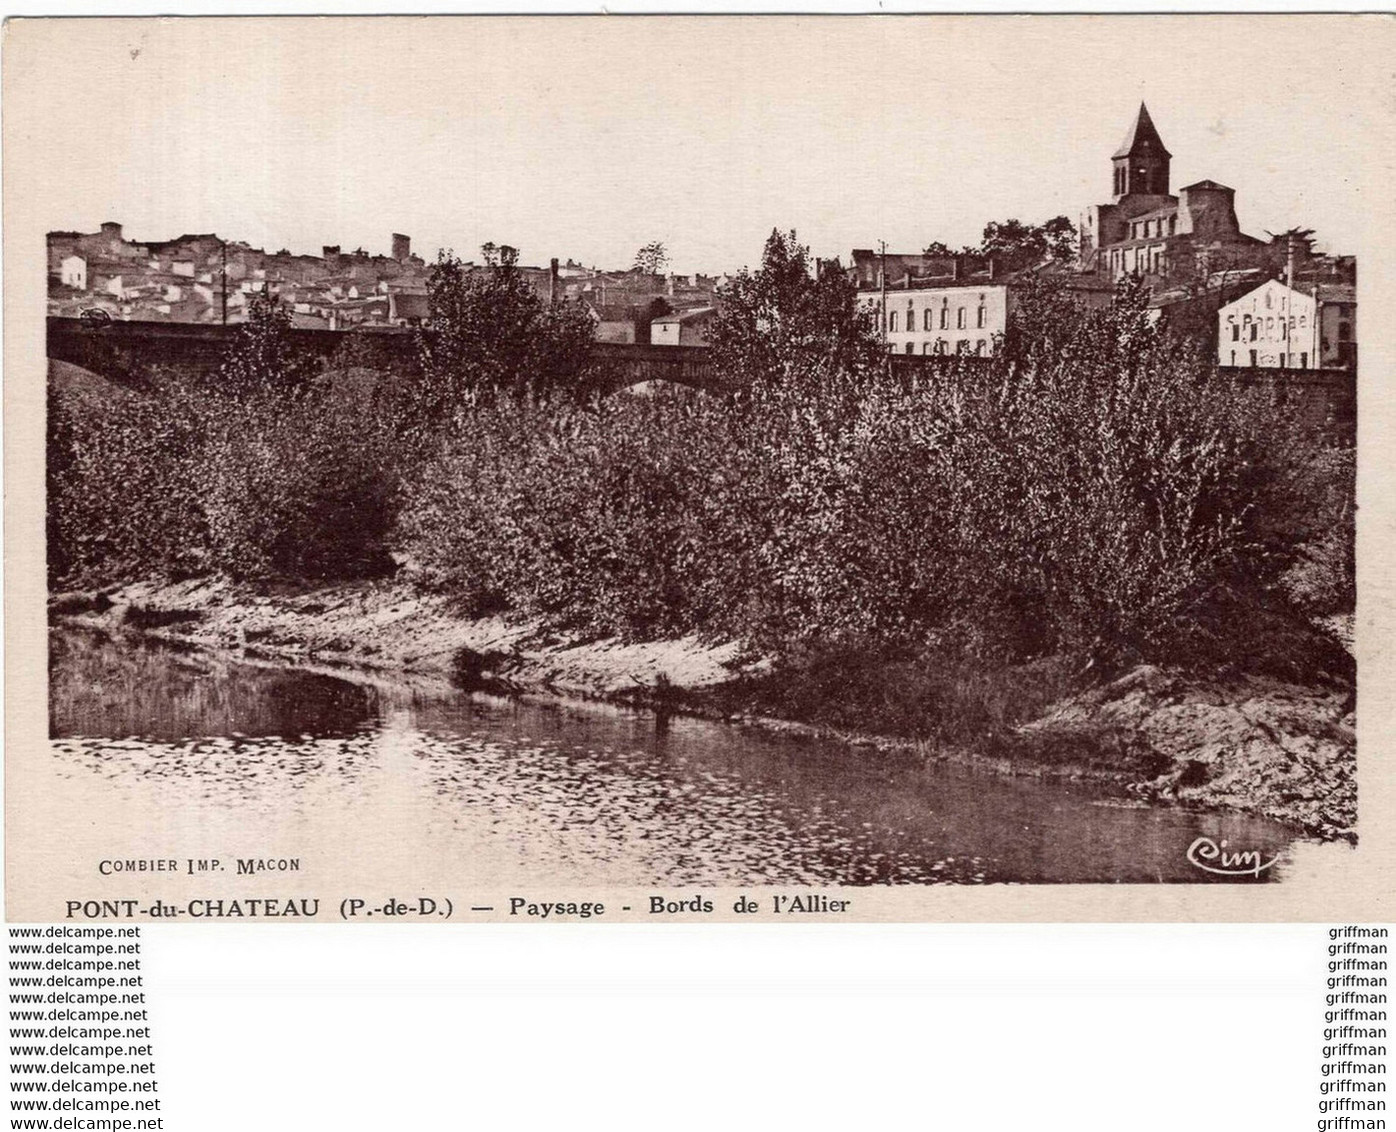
[156,750]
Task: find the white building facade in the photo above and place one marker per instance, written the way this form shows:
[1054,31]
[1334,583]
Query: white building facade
[1280,326]
[682,328]
[941,319]
[72,272]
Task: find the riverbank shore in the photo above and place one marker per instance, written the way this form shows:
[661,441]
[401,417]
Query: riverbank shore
[1245,743]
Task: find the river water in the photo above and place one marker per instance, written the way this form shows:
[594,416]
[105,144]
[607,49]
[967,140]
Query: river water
[162,750]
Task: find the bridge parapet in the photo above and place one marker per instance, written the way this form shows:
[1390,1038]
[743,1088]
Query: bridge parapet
[123,350]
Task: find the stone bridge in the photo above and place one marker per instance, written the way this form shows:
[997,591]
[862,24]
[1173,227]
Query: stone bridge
[122,350]
[1326,398]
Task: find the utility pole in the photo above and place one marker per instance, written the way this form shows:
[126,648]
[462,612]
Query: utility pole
[882,273]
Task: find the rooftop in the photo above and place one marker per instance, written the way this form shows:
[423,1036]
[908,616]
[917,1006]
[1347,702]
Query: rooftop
[1142,137]
[690,315]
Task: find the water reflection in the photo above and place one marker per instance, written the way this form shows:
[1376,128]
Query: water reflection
[575,794]
[102,687]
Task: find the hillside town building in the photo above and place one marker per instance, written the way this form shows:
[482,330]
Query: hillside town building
[1280,326]
[1187,246]
[1146,230]
[954,304]
[953,318]
[204,278]
[683,328]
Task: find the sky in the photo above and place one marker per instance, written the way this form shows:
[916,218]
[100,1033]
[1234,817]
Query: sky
[587,137]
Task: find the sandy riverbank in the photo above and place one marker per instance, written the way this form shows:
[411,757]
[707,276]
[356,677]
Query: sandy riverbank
[1243,743]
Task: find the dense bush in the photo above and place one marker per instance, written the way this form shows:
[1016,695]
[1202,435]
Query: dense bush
[299,484]
[582,515]
[1324,579]
[1097,493]
[266,470]
[123,479]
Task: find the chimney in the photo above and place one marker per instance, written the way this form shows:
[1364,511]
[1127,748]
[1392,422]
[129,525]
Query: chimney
[402,247]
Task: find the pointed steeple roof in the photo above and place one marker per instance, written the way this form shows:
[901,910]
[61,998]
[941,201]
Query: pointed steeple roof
[1142,136]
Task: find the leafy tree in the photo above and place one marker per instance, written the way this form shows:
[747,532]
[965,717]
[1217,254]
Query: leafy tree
[261,358]
[498,255]
[652,259]
[1015,245]
[489,331]
[782,320]
[1062,238]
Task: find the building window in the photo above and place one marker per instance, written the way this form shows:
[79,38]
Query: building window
[911,347]
[945,316]
[1255,329]
[1233,357]
[926,346]
[960,318]
[1304,360]
[1344,332]
[1235,331]
[928,322]
[979,317]
[1284,331]
[892,322]
[980,347]
[1252,357]
[940,345]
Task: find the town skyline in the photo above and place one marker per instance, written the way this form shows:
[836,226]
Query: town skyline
[850,140]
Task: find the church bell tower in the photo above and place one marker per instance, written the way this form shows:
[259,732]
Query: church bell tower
[1141,162]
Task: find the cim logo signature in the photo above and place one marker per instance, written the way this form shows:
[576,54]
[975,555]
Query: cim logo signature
[1211,857]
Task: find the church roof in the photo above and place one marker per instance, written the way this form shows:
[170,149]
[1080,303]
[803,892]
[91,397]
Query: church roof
[1207,185]
[1142,136]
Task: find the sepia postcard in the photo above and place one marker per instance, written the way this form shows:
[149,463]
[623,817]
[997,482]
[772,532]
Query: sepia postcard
[735,468]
